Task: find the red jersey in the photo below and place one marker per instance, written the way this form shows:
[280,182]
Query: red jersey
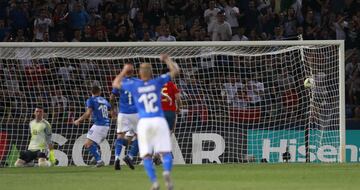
[169,89]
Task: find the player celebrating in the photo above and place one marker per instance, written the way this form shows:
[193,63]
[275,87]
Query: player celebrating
[126,121]
[153,130]
[40,141]
[98,107]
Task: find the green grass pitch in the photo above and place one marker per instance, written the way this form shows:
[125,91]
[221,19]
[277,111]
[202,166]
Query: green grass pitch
[188,177]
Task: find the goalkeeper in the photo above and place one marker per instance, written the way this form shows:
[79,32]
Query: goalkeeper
[40,142]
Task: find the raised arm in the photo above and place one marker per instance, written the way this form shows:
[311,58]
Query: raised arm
[178,102]
[86,115]
[117,81]
[173,67]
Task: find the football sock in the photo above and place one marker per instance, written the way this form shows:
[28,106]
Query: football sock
[167,162]
[134,150]
[94,151]
[119,143]
[150,170]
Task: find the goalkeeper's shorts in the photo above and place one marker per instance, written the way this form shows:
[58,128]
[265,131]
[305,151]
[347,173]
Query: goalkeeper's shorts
[30,155]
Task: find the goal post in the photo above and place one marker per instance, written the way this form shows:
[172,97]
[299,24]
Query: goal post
[243,101]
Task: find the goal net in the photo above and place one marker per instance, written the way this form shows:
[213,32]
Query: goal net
[242,102]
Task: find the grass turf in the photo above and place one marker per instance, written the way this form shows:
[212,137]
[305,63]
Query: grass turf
[188,177]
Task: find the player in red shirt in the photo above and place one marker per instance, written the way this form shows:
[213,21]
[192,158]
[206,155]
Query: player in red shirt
[171,103]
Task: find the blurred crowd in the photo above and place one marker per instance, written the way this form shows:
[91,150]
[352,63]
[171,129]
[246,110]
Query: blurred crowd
[189,20]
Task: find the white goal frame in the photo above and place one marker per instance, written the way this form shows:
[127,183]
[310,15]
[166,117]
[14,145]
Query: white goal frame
[340,43]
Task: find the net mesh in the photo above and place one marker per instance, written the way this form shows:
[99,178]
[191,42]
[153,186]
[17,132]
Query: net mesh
[251,98]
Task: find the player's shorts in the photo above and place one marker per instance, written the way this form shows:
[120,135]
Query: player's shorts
[170,117]
[30,155]
[97,133]
[127,122]
[153,136]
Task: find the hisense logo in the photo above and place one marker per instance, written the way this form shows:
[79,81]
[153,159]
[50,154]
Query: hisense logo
[324,153]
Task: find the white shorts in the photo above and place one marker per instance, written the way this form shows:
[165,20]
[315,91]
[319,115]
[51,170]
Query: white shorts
[153,136]
[127,122]
[97,133]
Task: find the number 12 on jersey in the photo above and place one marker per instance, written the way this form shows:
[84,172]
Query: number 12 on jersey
[149,101]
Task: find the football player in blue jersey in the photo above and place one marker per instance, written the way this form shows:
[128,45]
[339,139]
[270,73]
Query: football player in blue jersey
[127,120]
[153,130]
[97,107]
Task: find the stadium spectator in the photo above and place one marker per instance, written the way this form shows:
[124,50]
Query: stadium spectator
[250,17]
[165,35]
[93,17]
[65,72]
[356,112]
[11,81]
[232,13]
[232,87]
[59,102]
[255,90]
[93,5]
[177,27]
[77,36]
[41,25]
[59,15]
[140,31]
[221,30]
[20,36]
[147,37]
[239,35]
[290,23]
[183,36]
[46,37]
[99,26]
[4,31]
[241,99]
[78,18]
[101,36]
[154,14]
[352,66]
[354,88]
[339,26]
[88,36]
[60,37]
[210,16]
[19,16]
[278,33]
[122,34]
[109,24]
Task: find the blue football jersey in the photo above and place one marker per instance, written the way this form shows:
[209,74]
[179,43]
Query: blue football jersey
[147,95]
[100,110]
[126,102]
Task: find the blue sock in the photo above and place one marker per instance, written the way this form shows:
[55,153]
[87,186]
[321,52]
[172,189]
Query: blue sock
[94,151]
[167,162]
[119,143]
[150,170]
[134,150]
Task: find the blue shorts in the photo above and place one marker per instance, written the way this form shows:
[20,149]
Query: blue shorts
[170,117]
